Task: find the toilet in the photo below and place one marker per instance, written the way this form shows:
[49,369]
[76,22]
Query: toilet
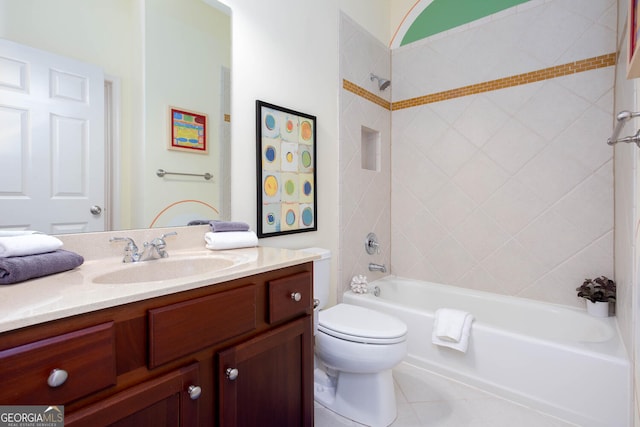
[355,349]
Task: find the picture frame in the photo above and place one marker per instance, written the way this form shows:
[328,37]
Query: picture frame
[188,131]
[633,26]
[285,171]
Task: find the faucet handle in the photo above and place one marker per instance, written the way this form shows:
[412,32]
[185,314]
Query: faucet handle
[371,244]
[160,244]
[130,251]
[159,241]
[173,233]
[130,245]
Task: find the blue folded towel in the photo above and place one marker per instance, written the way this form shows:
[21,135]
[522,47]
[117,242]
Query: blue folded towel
[20,268]
[220,226]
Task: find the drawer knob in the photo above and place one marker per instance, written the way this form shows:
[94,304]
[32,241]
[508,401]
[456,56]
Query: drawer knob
[194,392]
[57,377]
[296,296]
[232,373]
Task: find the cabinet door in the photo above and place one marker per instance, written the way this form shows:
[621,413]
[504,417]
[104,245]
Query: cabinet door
[164,401]
[268,381]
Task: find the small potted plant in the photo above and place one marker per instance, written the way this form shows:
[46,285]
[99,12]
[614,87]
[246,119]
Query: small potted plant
[598,292]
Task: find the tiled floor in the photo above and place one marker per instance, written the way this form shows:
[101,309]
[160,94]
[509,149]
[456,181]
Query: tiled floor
[426,399]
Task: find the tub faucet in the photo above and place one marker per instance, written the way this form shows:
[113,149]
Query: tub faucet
[377,267]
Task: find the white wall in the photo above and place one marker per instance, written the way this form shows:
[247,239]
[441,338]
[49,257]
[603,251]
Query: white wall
[285,52]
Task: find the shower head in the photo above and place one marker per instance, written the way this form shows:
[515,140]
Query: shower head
[382,83]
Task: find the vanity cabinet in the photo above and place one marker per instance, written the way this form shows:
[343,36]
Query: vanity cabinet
[237,353]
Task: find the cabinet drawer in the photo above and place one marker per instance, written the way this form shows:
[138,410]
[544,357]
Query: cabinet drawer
[86,355]
[290,296]
[183,328]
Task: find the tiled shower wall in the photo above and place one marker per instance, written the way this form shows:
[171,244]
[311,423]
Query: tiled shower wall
[364,193]
[508,190]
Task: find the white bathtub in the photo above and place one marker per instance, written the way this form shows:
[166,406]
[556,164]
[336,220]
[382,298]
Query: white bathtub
[555,359]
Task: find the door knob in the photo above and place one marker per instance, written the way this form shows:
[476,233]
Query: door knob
[232,373]
[296,296]
[95,210]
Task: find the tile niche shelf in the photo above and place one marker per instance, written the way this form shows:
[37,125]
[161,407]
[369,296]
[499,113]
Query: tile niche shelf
[370,149]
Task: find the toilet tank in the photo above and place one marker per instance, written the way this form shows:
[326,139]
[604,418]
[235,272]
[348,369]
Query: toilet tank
[321,275]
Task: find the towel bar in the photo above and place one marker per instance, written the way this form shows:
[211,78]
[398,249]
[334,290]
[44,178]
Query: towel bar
[623,117]
[162,172]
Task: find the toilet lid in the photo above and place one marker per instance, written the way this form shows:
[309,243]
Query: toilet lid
[360,324]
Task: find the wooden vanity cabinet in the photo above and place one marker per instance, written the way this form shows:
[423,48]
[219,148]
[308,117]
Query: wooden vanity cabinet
[238,353]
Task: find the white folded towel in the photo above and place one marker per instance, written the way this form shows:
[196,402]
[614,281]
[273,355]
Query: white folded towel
[451,328]
[28,244]
[230,240]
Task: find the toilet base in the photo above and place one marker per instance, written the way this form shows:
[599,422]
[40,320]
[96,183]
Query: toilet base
[365,398]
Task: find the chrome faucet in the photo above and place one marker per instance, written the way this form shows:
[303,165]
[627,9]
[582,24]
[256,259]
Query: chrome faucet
[377,267]
[152,250]
[130,250]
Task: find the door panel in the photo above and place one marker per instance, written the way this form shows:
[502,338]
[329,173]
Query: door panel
[52,145]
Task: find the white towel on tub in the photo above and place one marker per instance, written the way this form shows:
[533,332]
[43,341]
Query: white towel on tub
[451,328]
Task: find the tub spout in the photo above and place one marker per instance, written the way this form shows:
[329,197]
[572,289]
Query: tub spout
[377,267]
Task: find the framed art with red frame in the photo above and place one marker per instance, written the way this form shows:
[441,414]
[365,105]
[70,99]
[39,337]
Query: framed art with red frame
[188,131]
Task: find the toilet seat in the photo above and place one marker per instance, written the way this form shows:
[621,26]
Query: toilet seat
[361,325]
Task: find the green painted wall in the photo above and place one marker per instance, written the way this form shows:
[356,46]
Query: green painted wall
[442,15]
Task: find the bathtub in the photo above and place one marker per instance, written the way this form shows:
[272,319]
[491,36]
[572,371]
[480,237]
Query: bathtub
[555,359]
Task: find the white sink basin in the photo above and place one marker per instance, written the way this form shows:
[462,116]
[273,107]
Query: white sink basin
[167,269]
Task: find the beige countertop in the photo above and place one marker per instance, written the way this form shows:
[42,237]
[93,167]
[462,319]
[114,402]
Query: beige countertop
[79,291]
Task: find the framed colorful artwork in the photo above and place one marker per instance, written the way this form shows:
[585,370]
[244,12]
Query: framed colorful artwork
[188,131]
[286,170]
[633,26]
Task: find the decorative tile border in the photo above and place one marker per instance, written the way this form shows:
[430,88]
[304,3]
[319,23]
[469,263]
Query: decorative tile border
[596,62]
[354,88]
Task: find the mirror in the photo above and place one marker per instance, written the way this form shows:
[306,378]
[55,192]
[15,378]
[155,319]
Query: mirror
[155,55]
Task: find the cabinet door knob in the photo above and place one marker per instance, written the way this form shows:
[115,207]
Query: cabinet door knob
[194,392]
[57,377]
[232,373]
[296,296]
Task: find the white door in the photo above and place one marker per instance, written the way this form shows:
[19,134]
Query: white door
[52,145]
